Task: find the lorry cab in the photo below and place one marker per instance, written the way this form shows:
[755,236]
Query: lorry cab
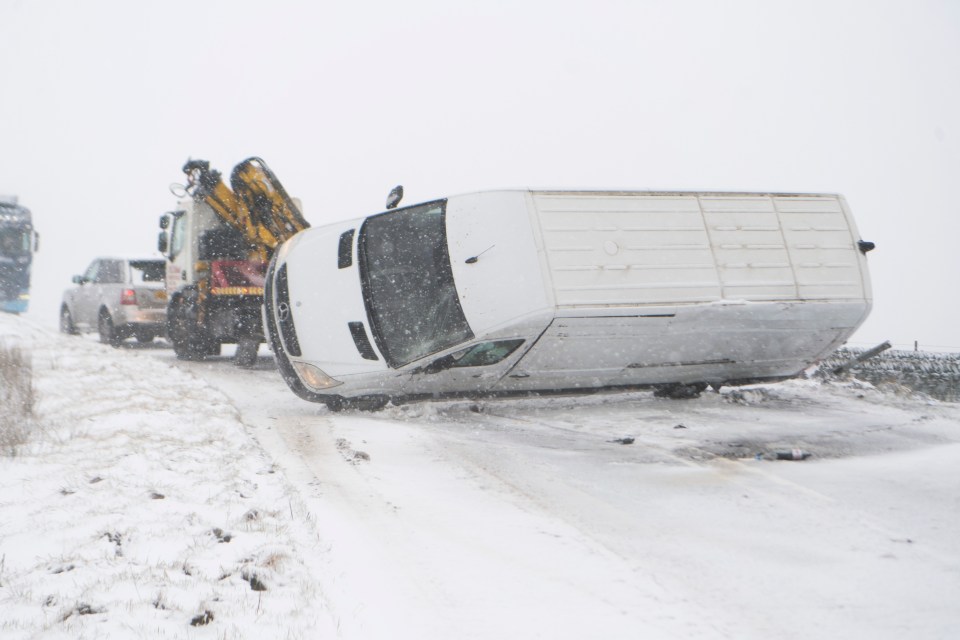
[18,242]
[217,243]
[193,235]
[214,288]
[522,291]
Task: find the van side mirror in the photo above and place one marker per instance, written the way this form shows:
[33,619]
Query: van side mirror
[395,196]
[162,243]
[36,242]
[164,221]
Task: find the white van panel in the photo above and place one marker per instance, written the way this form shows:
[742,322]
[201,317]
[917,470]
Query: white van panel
[822,241]
[626,249]
[504,281]
[649,248]
[699,343]
[752,259]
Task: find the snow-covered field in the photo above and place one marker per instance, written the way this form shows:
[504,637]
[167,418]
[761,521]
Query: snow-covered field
[195,500]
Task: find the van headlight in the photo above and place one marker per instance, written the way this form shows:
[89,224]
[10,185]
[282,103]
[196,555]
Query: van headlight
[313,377]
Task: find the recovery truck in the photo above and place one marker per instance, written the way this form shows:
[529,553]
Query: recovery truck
[18,242]
[218,242]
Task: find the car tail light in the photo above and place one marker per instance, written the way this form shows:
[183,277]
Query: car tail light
[128,296]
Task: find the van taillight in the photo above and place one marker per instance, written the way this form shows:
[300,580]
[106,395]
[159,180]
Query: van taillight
[129,296]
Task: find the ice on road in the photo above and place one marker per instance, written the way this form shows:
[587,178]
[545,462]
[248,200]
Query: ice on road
[523,518]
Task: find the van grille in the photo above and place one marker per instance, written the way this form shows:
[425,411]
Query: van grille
[360,338]
[285,314]
[345,251]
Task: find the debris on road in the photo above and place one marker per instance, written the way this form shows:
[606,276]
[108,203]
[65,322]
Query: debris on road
[793,454]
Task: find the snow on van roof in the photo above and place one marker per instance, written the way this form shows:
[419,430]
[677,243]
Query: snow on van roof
[651,192]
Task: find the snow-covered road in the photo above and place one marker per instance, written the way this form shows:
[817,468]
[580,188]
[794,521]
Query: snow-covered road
[503,518]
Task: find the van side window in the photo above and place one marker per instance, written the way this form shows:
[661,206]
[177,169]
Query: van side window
[485,353]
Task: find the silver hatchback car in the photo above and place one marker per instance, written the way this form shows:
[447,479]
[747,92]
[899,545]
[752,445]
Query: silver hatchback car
[119,298]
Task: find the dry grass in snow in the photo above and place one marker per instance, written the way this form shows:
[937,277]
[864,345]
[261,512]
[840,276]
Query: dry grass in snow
[16,395]
[141,507]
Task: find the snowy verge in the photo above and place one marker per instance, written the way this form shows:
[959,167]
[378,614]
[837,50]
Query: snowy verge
[141,507]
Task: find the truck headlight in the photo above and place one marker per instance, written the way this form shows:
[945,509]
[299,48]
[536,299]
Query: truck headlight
[313,377]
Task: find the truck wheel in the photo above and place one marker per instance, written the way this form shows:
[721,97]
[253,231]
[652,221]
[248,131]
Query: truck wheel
[188,343]
[66,322]
[246,355]
[108,333]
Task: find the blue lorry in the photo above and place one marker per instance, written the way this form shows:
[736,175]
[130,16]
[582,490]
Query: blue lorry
[18,242]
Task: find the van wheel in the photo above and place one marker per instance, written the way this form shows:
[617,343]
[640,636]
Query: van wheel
[335,404]
[370,403]
[108,333]
[66,322]
[679,391]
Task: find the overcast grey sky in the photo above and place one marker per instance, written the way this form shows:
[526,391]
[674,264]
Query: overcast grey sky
[103,101]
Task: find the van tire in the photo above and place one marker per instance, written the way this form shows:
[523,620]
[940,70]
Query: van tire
[336,404]
[370,403]
[679,391]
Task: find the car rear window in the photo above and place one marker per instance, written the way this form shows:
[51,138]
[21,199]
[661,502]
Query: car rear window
[147,271]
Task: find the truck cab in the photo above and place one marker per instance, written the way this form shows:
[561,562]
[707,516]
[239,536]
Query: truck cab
[218,242]
[214,289]
[18,242]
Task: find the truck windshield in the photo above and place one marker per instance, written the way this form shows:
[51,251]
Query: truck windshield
[14,241]
[408,286]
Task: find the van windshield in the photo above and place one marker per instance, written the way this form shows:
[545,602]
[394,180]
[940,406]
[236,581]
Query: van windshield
[408,286]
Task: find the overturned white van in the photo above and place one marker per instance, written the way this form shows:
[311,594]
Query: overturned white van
[524,291]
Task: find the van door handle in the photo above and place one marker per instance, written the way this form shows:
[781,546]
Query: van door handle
[520,375]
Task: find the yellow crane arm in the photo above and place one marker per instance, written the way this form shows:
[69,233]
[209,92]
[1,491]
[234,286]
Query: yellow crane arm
[273,211]
[258,206]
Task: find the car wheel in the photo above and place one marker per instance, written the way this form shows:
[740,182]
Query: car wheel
[66,322]
[144,336]
[108,333]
